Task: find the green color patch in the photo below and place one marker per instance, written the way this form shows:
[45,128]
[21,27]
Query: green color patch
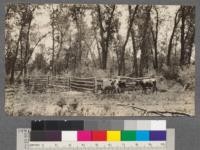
[128,136]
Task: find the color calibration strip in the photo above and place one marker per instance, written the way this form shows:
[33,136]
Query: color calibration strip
[89,133]
[108,130]
[97,135]
[76,125]
[24,143]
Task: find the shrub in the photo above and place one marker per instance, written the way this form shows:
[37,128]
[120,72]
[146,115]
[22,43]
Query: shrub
[61,102]
[170,73]
[187,76]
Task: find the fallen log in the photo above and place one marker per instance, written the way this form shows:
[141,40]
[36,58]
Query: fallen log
[160,113]
[169,112]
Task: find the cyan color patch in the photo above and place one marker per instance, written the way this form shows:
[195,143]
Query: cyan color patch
[142,136]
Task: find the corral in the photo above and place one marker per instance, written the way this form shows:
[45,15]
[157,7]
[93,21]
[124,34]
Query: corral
[70,96]
[42,83]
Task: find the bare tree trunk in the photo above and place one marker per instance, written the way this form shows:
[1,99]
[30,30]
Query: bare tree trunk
[27,49]
[131,20]
[175,49]
[60,46]
[108,39]
[100,20]
[99,53]
[104,58]
[12,75]
[191,47]
[176,22]
[30,55]
[53,43]
[183,18]
[80,44]
[74,69]
[155,40]
[91,53]
[105,40]
[135,66]
[143,59]
[118,61]
[58,53]
[67,63]
[79,28]
[98,48]
[21,50]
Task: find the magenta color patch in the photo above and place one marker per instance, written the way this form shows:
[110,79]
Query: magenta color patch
[84,136]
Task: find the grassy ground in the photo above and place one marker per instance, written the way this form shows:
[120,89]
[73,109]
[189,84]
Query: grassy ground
[170,98]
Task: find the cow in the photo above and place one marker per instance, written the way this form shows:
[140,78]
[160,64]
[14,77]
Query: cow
[147,84]
[120,86]
[108,86]
[112,86]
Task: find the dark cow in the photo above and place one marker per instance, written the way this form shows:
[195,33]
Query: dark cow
[121,85]
[147,84]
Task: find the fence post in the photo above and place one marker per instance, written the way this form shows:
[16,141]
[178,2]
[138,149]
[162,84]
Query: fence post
[47,80]
[28,81]
[69,83]
[95,85]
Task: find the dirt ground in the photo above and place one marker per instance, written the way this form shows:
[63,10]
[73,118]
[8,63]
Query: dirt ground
[173,101]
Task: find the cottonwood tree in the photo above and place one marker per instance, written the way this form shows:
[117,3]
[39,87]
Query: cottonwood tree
[22,38]
[190,35]
[135,50]
[60,23]
[187,37]
[78,14]
[24,14]
[154,32]
[105,21]
[170,45]
[144,27]
[132,13]
[10,45]
[53,22]
[183,24]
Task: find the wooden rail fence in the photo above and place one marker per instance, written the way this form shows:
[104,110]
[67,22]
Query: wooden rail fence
[83,84]
[41,83]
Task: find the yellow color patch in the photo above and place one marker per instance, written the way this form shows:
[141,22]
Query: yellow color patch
[113,136]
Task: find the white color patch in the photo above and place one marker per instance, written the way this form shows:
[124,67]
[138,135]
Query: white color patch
[158,125]
[69,135]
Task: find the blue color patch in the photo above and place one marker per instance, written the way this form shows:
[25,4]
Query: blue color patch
[142,136]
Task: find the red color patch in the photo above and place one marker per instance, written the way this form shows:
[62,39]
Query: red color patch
[99,135]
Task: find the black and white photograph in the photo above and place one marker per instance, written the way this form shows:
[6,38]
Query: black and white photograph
[99,60]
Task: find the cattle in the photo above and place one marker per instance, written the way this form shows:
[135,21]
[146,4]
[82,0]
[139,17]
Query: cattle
[121,85]
[111,86]
[147,84]
[107,86]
